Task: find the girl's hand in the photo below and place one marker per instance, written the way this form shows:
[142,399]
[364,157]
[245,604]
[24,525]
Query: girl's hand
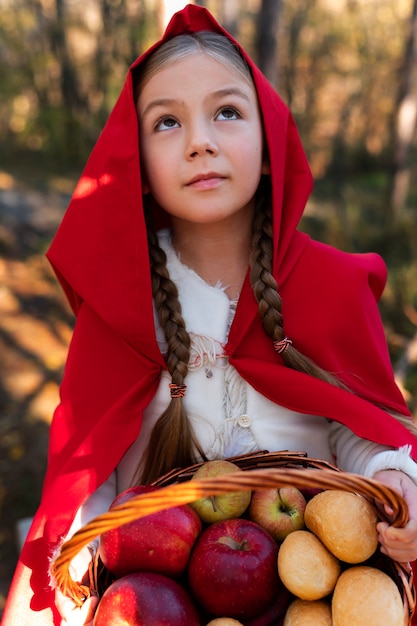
[71,614]
[400,544]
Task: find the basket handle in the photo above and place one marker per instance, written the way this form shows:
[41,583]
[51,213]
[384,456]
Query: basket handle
[186,492]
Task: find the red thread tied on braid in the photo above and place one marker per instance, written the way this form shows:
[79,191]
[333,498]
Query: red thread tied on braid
[282,345]
[177,391]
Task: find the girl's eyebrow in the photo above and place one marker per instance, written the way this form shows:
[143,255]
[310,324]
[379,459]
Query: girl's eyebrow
[161,102]
[227,91]
[230,91]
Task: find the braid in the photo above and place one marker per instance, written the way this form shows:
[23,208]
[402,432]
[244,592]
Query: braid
[265,288]
[269,301]
[169,312]
[171,443]
[263,283]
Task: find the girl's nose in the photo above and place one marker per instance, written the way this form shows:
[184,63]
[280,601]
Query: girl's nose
[201,142]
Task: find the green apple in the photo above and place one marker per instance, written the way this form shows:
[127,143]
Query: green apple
[224,506]
[279,511]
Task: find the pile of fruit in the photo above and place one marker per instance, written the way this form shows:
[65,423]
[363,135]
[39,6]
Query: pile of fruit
[273,557]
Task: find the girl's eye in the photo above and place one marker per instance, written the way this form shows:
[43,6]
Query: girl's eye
[228,113]
[166,123]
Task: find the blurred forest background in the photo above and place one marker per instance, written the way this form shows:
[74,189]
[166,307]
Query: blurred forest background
[346,68]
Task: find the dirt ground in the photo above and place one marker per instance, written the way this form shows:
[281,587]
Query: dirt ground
[35,329]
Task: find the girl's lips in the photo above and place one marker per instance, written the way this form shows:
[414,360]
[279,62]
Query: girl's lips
[206,181]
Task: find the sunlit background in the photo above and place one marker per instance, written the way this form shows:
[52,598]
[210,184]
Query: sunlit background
[346,68]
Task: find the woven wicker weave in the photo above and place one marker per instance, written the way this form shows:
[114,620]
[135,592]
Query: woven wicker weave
[262,470]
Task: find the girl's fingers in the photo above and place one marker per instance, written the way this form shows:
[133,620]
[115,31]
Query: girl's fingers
[73,615]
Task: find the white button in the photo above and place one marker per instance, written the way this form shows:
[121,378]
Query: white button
[244,421]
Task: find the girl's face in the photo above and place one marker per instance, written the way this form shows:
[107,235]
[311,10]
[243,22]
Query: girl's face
[201,140]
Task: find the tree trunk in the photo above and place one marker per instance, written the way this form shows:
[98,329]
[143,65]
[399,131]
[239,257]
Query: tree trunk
[405,120]
[71,96]
[268,20]
[229,16]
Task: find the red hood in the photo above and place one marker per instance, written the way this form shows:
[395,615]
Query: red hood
[100,251]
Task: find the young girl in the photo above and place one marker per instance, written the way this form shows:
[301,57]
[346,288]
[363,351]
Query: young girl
[207,324]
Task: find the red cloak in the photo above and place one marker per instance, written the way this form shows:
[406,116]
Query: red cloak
[101,259]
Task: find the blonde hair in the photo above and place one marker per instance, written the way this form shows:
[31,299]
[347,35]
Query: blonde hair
[216,46]
[172,443]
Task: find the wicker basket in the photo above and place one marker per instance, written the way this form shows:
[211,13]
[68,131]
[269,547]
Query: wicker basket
[262,470]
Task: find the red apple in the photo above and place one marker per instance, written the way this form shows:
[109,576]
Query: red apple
[280,511]
[233,569]
[224,621]
[145,599]
[226,505]
[275,613]
[160,542]
[310,492]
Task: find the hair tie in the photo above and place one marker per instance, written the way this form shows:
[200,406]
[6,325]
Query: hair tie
[177,391]
[282,345]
